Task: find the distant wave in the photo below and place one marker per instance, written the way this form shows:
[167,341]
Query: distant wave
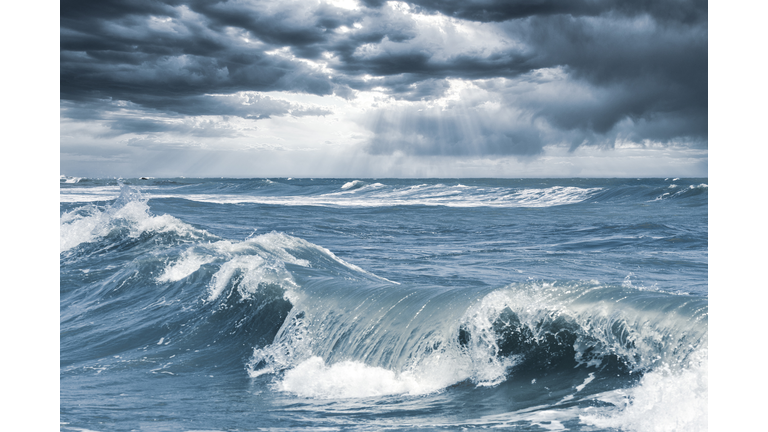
[377,195]
[67,179]
[89,194]
[359,193]
[684,192]
[371,195]
[353,184]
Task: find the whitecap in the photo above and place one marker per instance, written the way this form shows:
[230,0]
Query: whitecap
[188,264]
[353,184]
[89,223]
[351,379]
[665,399]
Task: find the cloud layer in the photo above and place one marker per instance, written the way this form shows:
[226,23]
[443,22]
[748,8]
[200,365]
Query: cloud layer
[477,78]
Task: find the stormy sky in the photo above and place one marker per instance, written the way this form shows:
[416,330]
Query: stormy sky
[369,88]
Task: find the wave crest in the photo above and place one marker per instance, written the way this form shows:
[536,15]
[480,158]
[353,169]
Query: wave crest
[129,213]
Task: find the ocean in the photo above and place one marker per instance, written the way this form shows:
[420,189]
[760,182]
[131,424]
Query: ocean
[383,304]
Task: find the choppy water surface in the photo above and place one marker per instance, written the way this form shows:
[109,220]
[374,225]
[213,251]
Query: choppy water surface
[255,304]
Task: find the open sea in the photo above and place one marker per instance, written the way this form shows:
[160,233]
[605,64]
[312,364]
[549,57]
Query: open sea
[383,304]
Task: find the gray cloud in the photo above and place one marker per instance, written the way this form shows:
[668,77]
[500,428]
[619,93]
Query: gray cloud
[689,11]
[188,115]
[633,70]
[638,68]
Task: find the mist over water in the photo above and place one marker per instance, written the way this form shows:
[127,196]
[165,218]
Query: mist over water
[251,304]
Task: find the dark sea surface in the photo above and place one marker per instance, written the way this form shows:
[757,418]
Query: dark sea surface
[386,304]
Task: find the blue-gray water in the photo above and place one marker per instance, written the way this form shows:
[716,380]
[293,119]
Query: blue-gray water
[388,304]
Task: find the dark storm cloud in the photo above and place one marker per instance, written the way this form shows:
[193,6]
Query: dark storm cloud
[80,11]
[127,53]
[639,69]
[280,24]
[644,80]
[635,69]
[496,11]
[159,55]
[688,11]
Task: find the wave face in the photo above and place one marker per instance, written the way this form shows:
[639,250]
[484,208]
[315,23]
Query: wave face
[525,305]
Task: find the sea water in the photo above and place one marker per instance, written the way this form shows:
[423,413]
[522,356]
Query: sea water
[383,304]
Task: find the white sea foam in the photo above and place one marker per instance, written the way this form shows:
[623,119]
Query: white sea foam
[67,179]
[666,399]
[188,264]
[557,195]
[250,271]
[89,223]
[274,245]
[378,195]
[351,379]
[88,194]
[82,227]
[310,376]
[587,380]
